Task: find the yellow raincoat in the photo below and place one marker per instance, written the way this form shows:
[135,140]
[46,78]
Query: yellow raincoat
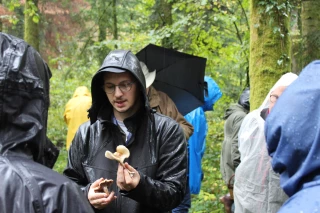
[76,111]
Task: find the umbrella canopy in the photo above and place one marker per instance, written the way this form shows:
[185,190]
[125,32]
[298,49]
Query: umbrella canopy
[179,75]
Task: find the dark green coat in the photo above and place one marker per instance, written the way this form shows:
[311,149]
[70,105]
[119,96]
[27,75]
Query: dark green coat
[230,156]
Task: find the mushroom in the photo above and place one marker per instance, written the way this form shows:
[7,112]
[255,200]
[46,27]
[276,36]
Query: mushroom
[104,186]
[121,154]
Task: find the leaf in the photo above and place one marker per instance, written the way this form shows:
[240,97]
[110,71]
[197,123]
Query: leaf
[203,2]
[268,8]
[35,19]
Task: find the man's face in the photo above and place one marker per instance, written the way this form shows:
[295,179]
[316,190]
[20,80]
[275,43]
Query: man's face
[122,92]
[275,94]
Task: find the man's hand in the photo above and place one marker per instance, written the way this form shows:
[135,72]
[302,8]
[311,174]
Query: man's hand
[125,180]
[99,200]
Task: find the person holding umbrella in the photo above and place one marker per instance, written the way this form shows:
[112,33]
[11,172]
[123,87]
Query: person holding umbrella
[163,104]
[154,177]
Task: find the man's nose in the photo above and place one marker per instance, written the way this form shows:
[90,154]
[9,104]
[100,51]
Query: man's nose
[117,91]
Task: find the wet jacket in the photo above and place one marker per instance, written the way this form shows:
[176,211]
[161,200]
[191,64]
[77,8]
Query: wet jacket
[27,185]
[157,149]
[163,104]
[197,142]
[230,156]
[292,135]
[76,111]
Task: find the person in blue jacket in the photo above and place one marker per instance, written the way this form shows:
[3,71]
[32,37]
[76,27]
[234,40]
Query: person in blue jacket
[197,144]
[292,132]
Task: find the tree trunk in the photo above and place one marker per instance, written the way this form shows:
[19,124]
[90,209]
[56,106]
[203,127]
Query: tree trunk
[103,20]
[269,50]
[0,19]
[31,28]
[102,25]
[310,21]
[166,17]
[296,44]
[114,18]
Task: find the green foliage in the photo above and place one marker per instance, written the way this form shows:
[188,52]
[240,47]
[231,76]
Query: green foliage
[61,163]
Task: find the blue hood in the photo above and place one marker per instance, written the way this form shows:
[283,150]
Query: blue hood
[212,94]
[293,131]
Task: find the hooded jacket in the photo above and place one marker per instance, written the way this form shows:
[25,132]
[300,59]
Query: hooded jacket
[157,148]
[293,141]
[257,186]
[230,156]
[197,142]
[26,185]
[76,111]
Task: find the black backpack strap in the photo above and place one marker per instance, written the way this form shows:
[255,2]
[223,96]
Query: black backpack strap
[30,182]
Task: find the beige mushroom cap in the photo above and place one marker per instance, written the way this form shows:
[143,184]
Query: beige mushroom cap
[121,154]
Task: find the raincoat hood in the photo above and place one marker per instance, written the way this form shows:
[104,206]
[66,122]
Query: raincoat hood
[81,91]
[244,98]
[285,80]
[24,102]
[116,61]
[212,93]
[292,131]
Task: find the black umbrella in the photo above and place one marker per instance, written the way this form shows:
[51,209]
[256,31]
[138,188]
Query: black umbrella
[179,75]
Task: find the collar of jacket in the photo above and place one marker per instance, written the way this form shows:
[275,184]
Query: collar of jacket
[131,123]
[153,96]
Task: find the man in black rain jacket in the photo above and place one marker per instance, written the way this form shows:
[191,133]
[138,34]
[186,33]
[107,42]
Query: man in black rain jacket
[121,115]
[27,184]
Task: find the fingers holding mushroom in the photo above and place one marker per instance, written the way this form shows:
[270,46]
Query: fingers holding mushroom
[104,186]
[98,196]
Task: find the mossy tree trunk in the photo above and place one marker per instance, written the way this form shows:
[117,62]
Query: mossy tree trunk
[269,50]
[31,26]
[310,22]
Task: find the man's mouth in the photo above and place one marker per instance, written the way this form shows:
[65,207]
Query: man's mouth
[119,103]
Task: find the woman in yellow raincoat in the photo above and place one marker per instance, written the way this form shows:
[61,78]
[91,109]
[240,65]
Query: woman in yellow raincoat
[76,111]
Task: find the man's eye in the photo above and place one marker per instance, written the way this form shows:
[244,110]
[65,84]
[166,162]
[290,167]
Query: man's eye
[109,86]
[125,84]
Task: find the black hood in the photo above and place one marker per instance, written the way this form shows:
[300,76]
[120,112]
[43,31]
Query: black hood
[116,61]
[244,98]
[24,100]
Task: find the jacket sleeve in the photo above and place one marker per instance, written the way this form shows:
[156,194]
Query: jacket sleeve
[167,190]
[169,108]
[77,155]
[235,154]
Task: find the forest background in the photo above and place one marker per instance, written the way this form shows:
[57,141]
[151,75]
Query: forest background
[246,43]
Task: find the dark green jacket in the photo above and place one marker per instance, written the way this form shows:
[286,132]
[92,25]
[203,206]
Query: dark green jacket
[230,156]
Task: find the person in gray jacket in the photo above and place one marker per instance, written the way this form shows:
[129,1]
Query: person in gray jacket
[230,156]
[27,184]
[153,178]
